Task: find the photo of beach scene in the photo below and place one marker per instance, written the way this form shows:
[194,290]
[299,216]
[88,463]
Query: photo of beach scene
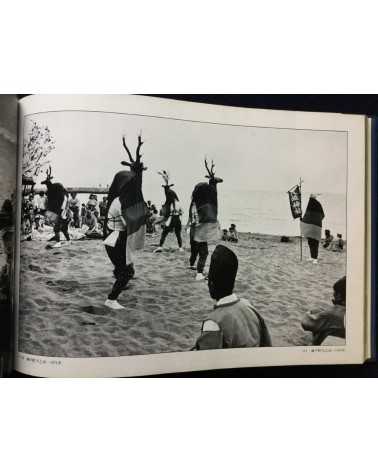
[78,300]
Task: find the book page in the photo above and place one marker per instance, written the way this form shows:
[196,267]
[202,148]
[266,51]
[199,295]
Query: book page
[8,164]
[369,309]
[209,214]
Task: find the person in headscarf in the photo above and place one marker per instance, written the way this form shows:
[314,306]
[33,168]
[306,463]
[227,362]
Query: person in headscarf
[234,322]
[203,221]
[172,212]
[311,226]
[125,223]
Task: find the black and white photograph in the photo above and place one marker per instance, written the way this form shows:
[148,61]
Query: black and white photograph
[144,234]
[8,164]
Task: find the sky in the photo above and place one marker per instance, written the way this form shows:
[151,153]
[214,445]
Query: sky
[89,150]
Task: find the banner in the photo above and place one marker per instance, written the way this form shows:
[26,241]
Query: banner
[295,199]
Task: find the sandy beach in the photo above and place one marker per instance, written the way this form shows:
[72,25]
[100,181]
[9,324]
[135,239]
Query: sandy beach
[63,290]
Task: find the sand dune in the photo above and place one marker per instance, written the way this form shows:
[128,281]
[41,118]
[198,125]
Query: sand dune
[63,290]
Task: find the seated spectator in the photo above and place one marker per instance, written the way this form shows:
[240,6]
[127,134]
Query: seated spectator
[150,219]
[103,207]
[39,220]
[90,220]
[234,323]
[40,202]
[340,242]
[331,322]
[83,212]
[225,235]
[233,234]
[92,205]
[74,206]
[337,245]
[28,214]
[328,238]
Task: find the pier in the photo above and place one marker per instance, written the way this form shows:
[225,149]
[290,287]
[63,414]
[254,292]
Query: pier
[78,190]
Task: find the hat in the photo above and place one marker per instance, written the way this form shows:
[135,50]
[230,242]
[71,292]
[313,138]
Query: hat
[223,267]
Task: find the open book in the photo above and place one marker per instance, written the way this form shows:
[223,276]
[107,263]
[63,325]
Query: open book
[157,236]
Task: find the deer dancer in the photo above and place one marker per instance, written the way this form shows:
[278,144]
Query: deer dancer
[172,212]
[57,211]
[125,222]
[203,220]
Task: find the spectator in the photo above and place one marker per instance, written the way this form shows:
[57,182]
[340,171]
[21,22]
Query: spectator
[328,239]
[233,234]
[234,323]
[331,322]
[74,206]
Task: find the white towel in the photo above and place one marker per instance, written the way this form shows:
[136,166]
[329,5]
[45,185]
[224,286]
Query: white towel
[111,240]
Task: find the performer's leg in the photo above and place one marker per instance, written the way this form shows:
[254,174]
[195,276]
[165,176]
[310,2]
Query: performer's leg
[56,236]
[193,247]
[314,247]
[76,217]
[117,255]
[203,251]
[309,242]
[178,232]
[64,228]
[164,234]
[193,252]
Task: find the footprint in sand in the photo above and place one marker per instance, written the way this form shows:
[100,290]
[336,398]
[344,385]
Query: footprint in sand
[94,310]
[64,285]
[35,268]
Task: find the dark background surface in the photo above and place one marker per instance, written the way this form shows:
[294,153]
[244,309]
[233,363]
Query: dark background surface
[355,104]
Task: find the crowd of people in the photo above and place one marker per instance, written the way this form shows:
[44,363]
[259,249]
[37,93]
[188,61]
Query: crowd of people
[230,234]
[88,216]
[124,218]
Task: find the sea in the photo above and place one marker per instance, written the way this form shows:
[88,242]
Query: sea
[268,212]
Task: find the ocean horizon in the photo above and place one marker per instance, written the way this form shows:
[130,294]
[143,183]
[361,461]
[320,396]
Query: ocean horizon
[267,212]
